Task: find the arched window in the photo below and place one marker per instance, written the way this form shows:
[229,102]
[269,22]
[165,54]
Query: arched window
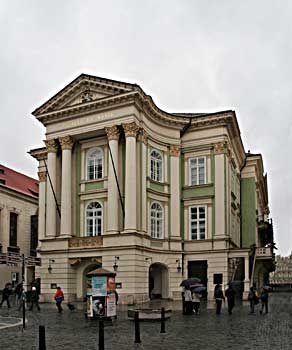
[94,160]
[156,166]
[156,218]
[94,219]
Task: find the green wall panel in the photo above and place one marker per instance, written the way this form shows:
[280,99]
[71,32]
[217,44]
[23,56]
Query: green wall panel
[200,191]
[95,185]
[157,187]
[248,211]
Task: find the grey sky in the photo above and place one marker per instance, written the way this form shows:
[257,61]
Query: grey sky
[192,55]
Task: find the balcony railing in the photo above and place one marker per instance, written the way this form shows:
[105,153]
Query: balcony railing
[264,253]
[85,242]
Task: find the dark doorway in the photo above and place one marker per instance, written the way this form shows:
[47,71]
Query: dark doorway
[198,269]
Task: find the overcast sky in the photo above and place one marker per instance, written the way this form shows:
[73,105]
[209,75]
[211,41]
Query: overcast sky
[190,56]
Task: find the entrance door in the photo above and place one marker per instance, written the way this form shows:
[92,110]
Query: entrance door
[158,281]
[198,269]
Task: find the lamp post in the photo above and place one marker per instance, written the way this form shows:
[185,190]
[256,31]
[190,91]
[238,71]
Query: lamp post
[115,265]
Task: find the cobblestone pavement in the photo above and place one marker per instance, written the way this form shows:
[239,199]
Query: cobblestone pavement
[239,331]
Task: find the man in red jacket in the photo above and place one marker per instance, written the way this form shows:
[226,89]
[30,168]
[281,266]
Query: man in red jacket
[59,297]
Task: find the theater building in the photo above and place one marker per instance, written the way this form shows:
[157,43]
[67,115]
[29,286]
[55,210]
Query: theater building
[156,196]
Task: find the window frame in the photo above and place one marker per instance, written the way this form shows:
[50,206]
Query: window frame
[88,154]
[155,236]
[162,165]
[198,178]
[198,222]
[11,240]
[85,214]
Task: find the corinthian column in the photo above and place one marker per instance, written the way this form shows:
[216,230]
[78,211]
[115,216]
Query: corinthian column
[113,193]
[42,205]
[175,190]
[131,130]
[66,200]
[51,217]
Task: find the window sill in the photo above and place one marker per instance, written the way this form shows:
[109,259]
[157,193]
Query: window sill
[91,181]
[157,182]
[188,187]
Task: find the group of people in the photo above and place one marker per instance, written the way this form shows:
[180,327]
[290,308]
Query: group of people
[191,299]
[34,297]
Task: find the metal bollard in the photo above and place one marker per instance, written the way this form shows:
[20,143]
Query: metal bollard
[137,328]
[101,335]
[42,338]
[162,330]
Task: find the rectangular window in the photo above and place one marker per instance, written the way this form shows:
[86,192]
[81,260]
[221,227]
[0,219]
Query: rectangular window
[198,222]
[33,234]
[197,171]
[13,230]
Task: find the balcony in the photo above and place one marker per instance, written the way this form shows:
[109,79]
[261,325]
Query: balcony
[265,231]
[264,253]
[85,242]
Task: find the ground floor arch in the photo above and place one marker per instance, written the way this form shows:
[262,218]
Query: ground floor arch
[158,281]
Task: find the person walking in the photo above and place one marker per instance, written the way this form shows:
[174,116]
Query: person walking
[253,299]
[6,292]
[264,300]
[196,299]
[230,295]
[34,299]
[18,295]
[218,295]
[59,297]
[188,301]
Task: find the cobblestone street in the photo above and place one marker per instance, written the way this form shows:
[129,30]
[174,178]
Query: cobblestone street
[71,331]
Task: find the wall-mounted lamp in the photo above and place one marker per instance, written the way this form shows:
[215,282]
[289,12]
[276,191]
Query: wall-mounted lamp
[51,261]
[178,268]
[115,265]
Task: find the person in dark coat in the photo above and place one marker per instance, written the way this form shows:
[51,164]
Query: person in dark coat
[230,295]
[253,300]
[264,300]
[218,295]
[6,294]
[34,299]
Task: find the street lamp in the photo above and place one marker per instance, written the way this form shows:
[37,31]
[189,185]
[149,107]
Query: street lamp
[50,265]
[178,265]
[115,265]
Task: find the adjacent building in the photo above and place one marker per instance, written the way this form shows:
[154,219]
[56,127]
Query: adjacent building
[281,278]
[156,196]
[18,223]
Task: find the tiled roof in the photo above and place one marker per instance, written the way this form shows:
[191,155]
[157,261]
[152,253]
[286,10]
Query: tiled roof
[18,182]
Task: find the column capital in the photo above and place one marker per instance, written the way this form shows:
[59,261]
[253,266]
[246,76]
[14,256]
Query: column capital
[42,175]
[174,150]
[51,145]
[144,137]
[66,142]
[130,129]
[112,132]
[219,148]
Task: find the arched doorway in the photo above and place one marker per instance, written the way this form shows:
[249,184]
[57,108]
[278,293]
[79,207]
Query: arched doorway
[86,285]
[158,281]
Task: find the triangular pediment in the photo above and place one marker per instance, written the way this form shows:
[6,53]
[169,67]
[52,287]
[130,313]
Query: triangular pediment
[83,90]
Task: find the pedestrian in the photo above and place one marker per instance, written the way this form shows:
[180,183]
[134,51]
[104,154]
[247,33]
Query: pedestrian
[59,297]
[253,299]
[34,299]
[196,299]
[188,301]
[6,292]
[230,295]
[264,300]
[19,295]
[184,310]
[117,299]
[218,295]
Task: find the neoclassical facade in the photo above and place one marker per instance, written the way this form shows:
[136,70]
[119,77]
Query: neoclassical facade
[125,185]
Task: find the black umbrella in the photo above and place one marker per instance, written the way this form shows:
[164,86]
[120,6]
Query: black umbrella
[193,281]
